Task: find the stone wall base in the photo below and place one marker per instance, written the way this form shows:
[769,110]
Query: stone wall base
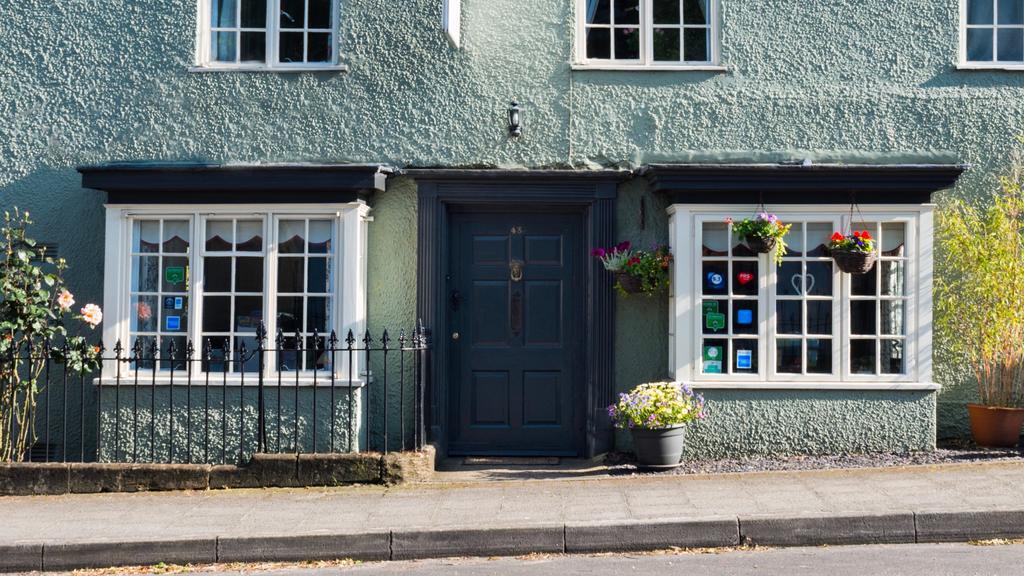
[264,471]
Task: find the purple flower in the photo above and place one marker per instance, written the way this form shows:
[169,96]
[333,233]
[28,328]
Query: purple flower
[599,252]
[622,246]
[763,216]
[773,218]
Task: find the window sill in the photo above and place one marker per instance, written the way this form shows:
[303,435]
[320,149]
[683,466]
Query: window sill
[980,66]
[217,380]
[652,68]
[865,385]
[270,69]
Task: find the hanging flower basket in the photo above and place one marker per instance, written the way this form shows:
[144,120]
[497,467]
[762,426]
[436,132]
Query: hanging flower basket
[636,271]
[628,283]
[759,244]
[854,261]
[853,253]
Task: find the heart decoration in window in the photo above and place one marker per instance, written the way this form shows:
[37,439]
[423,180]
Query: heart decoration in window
[799,280]
[744,278]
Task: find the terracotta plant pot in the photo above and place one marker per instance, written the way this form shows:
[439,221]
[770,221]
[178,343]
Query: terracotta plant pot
[659,448]
[994,426]
[760,245]
[854,261]
[629,284]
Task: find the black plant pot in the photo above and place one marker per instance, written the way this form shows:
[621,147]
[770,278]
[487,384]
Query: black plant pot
[854,261]
[629,284]
[659,449]
[760,245]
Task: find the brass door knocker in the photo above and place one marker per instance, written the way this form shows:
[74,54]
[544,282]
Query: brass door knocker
[516,268]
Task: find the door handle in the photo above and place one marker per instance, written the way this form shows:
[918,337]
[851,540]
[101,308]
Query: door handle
[516,313]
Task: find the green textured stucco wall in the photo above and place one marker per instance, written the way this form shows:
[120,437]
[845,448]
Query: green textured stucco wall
[841,80]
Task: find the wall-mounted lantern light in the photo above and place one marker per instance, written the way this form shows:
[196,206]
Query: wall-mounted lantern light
[515,120]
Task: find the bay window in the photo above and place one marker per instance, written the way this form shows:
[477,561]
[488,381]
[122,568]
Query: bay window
[739,319]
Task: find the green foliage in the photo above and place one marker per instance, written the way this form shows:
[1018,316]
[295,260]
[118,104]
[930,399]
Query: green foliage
[979,294]
[765,227]
[657,405]
[34,308]
[651,268]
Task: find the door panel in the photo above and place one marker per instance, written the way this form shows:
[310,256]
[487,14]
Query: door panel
[516,319]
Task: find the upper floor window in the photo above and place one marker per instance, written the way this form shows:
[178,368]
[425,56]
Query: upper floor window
[269,34]
[647,33]
[993,33]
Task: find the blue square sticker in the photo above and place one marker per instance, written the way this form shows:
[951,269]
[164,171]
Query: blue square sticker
[172,323]
[744,359]
[745,317]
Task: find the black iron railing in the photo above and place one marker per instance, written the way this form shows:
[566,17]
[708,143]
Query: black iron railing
[213,404]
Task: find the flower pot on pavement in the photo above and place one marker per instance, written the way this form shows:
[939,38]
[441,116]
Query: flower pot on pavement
[995,426]
[659,448]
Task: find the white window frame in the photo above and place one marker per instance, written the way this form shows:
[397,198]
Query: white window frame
[685,354]
[963,63]
[646,28]
[348,291]
[204,61]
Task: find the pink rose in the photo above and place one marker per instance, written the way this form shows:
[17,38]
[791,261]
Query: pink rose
[144,310]
[92,315]
[65,300]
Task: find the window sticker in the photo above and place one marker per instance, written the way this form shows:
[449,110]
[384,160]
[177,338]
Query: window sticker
[179,303]
[744,359]
[710,306]
[712,359]
[169,303]
[715,281]
[744,317]
[174,274]
[173,323]
[744,278]
[715,321]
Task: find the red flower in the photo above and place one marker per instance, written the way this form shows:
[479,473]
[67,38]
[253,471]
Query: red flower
[865,235]
[837,237]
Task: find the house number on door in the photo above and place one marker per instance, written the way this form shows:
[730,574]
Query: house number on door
[516,230]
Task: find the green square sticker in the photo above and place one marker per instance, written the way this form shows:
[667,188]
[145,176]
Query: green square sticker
[709,306]
[714,321]
[174,274]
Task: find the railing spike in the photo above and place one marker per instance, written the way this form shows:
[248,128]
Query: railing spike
[350,339]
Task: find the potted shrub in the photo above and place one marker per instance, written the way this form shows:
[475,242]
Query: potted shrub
[764,234]
[979,307]
[636,271]
[853,253]
[656,414]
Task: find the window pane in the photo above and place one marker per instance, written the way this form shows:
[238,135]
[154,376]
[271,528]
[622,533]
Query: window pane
[893,279]
[745,278]
[715,352]
[819,356]
[893,239]
[320,13]
[893,318]
[627,12]
[174,314]
[289,314]
[744,319]
[254,47]
[175,359]
[862,317]
[791,279]
[666,11]
[217,353]
[216,313]
[979,44]
[254,14]
[293,13]
[144,313]
[320,234]
[1011,44]
[175,274]
[818,234]
[599,43]
[319,47]
[248,313]
[250,236]
[288,359]
[176,237]
[249,275]
[319,275]
[695,12]
[893,357]
[599,11]
[317,356]
[1010,12]
[145,273]
[249,364]
[715,239]
[291,47]
[291,237]
[695,44]
[217,274]
[219,235]
[146,236]
[716,277]
[744,359]
[789,317]
[788,357]
[862,356]
[979,11]
[146,353]
[715,314]
[317,310]
[224,46]
[224,13]
[864,284]
[289,275]
[627,44]
[819,317]
[666,45]
[818,280]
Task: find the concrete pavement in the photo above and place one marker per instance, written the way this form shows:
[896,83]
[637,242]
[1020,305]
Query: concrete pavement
[894,505]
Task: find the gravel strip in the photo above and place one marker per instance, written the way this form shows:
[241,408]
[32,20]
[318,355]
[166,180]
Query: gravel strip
[620,463]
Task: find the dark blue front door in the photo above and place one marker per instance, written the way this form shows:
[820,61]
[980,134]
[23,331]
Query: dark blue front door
[518,294]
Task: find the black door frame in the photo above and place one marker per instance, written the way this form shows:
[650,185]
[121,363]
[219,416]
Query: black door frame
[594,193]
